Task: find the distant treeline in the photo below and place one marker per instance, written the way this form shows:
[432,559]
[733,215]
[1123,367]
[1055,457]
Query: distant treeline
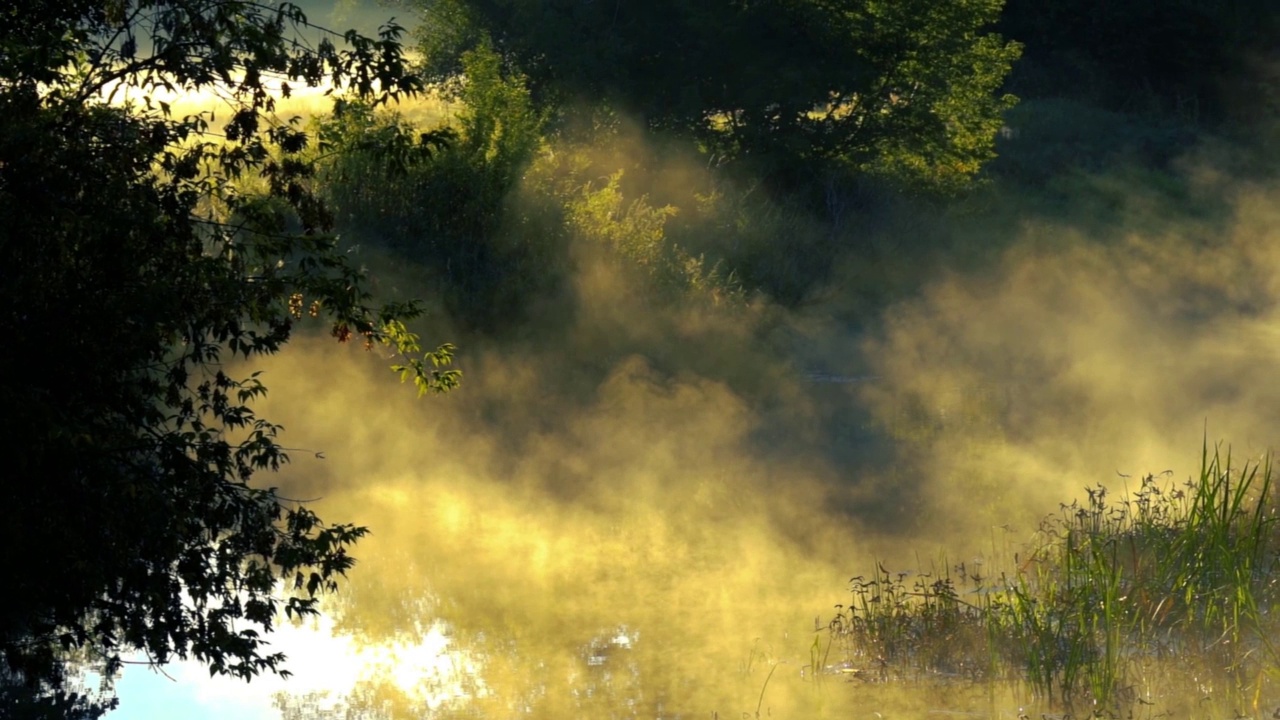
[830,136]
[1207,62]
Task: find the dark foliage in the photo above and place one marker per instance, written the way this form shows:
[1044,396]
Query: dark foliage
[1204,62]
[134,264]
[490,249]
[903,89]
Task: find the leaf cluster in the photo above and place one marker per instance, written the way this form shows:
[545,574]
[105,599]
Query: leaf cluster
[140,254]
[908,89]
[463,216]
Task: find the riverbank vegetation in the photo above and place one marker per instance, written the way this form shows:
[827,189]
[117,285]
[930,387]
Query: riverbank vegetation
[1119,602]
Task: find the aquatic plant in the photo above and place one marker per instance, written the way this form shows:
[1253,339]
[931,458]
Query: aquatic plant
[1175,579]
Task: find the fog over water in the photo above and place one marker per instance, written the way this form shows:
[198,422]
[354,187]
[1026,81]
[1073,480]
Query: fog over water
[634,509]
[638,509]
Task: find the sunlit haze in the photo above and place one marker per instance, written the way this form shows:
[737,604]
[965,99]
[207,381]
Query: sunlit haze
[633,505]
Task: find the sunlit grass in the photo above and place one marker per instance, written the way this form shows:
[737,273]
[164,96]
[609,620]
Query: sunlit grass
[1162,588]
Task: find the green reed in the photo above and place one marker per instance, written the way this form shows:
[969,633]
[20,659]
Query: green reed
[1175,573]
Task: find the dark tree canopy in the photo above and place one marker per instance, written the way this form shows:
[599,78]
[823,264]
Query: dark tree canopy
[906,88]
[137,258]
[1204,61]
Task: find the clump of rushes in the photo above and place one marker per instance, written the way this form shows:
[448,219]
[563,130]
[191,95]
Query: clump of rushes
[910,625]
[1169,580]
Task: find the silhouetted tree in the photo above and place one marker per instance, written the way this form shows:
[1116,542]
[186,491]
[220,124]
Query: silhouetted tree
[138,253]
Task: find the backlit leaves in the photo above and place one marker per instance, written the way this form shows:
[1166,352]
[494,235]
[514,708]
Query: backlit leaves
[143,253]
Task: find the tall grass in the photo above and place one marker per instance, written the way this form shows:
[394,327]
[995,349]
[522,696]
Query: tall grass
[1174,579]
